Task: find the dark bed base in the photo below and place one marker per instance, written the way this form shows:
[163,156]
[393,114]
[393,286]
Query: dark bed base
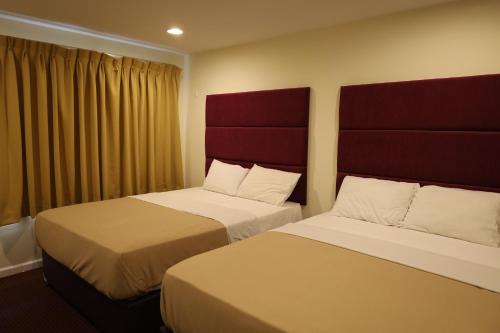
[141,314]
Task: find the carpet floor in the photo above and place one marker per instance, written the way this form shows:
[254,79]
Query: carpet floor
[28,305]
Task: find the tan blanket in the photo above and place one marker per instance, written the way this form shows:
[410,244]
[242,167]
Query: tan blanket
[277,282]
[123,246]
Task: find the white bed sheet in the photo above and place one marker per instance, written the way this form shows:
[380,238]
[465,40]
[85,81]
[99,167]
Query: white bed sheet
[242,217]
[472,263]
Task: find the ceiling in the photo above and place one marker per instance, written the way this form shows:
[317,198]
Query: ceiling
[207,24]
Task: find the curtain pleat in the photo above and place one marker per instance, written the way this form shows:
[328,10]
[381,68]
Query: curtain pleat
[109,110]
[62,70]
[78,126]
[88,121]
[173,156]
[11,171]
[142,130]
[126,146]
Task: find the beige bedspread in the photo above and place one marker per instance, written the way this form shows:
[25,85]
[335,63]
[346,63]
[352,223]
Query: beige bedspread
[277,282]
[123,246]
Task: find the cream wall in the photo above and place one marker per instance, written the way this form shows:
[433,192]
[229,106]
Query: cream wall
[17,245]
[456,39]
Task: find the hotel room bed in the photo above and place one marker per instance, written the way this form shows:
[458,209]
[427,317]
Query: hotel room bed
[123,246]
[294,279]
[107,258]
[326,274]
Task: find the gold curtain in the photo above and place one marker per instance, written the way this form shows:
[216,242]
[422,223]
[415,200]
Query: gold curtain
[79,126]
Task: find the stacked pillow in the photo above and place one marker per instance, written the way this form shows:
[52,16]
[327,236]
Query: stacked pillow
[258,183]
[473,216]
[268,185]
[224,178]
[374,200]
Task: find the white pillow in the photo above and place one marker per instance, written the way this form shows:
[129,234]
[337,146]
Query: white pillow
[224,178]
[268,185]
[374,200]
[469,215]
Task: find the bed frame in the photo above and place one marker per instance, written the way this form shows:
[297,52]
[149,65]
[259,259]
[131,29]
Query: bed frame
[443,131]
[133,315]
[266,127]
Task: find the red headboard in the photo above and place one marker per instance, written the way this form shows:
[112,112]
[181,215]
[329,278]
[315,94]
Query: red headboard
[443,131]
[269,128]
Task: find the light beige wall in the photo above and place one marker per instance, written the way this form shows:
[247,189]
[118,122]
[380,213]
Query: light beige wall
[456,39]
[17,244]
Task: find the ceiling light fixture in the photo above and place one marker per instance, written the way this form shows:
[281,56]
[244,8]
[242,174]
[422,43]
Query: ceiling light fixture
[175,31]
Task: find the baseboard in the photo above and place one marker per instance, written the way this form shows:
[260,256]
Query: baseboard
[25,266]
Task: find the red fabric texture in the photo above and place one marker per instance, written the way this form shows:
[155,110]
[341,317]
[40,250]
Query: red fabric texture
[268,128]
[443,131]
[456,104]
[271,108]
[262,144]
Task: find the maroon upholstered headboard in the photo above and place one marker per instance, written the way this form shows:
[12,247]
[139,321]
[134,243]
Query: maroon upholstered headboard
[268,128]
[442,131]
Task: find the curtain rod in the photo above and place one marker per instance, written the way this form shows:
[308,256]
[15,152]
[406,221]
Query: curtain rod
[86,32]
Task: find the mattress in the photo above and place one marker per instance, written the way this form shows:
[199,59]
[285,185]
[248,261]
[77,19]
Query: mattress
[242,217]
[123,246]
[457,259]
[293,280]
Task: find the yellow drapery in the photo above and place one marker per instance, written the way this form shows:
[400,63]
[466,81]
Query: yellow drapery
[79,126]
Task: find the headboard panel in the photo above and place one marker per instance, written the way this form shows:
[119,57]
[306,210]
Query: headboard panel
[269,128]
[442,131]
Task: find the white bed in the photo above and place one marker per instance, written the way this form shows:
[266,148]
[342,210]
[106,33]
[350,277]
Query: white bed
[464,261]
[122,247]
[242,218]
[334,274]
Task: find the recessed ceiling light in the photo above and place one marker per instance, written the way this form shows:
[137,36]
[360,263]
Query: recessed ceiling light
[175,31]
